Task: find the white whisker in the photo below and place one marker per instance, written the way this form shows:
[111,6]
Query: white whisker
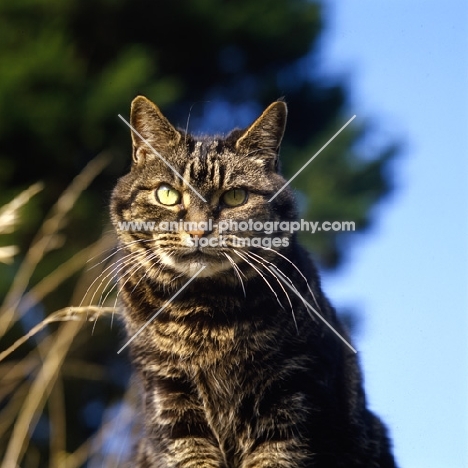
[252,255]
[237,271]
[114,268]
[298,270]
[261,275]
[121,246]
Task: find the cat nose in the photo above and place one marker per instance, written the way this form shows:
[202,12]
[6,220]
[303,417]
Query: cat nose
[196,233]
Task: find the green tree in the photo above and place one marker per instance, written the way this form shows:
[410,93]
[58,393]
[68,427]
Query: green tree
[68,69]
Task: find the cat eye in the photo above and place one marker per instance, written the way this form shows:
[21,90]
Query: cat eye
[234,197]
[167,195]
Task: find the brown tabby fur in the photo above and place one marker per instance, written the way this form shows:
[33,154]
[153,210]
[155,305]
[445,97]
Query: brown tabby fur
[236,371]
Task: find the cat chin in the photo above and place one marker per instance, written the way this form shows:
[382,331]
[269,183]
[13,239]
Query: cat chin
[191,267]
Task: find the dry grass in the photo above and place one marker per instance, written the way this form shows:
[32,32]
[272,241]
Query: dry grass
[33,384]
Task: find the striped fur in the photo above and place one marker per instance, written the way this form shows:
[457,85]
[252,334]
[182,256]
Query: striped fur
[235,372]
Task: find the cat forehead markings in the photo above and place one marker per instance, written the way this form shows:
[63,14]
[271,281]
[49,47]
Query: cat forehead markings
[202,165]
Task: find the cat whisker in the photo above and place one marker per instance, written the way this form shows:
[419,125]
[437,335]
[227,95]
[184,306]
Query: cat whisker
[103,298]
[308,307]
[137,265]
[116,250]
[297,269]
[261,275]
[132,263]
[237,271]
[110,266]
[274,269]
[113,267]
[188,121]
[261,260]
[129,273]
[118,266]
[133,269]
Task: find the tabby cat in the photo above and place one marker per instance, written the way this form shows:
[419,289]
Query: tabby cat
[236,368]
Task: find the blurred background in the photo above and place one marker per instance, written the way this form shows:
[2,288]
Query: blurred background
[399,171]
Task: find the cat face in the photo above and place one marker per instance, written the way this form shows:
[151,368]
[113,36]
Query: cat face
[192,202]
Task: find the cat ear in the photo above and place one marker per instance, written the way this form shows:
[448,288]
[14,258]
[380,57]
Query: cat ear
[263,138]
[150,123]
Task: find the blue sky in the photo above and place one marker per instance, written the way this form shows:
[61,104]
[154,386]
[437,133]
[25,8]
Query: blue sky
[407,65]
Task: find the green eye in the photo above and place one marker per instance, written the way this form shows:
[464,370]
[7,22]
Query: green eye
[167,195]
[235,197]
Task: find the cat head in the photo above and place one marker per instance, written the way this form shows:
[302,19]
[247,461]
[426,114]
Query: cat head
[192,202]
